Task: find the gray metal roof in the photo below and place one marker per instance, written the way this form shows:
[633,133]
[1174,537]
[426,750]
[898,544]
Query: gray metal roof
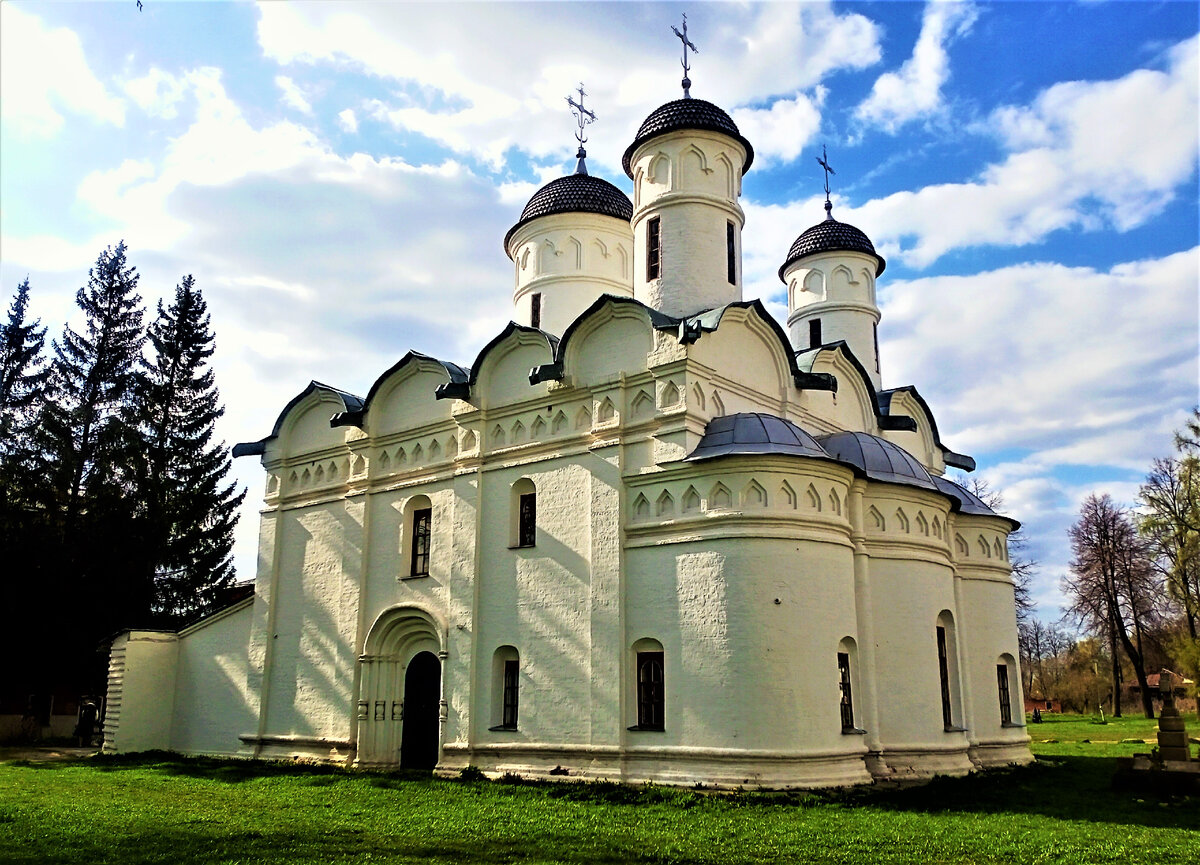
[686,114]
[878,458]
[969,502]
[575,193]
[831,235]
[754,433]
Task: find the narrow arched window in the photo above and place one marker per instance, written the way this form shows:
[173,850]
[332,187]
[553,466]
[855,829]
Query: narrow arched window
[653,248]
[649,669]
[814,332]
[535,309]
[523,507]
[416,541]
[1005,699]
[846,697]
[944,675]
[730,254]
[506,678]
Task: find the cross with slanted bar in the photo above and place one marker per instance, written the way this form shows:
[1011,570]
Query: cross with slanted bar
[823,161]
[687,43]
[582,115]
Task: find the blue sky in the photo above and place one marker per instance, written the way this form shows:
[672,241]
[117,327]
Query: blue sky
[339,176]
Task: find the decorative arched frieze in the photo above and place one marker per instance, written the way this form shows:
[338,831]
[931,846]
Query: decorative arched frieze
[691,501]
[517,434]
[468,440]
[698,401]
[922,523]
[643,406]
[812,498]
[960,545]
[583,418]
[665,505]
[984,549]
[537,429]
[936,526]
[720,497]
[902,522]
[787,496]
[641,507]
[360,466]
[754,495]
[718,405]
[669,395]
[835,502]
[559,425]
[435,450]
[875,519]
[999,549]
[606,412]
[418,455]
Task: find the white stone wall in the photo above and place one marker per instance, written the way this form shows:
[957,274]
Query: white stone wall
[213,706]
[691,180]
[141,690]
[570,259]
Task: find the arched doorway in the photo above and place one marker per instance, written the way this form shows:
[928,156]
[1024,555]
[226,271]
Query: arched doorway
[422,695]
[400,684]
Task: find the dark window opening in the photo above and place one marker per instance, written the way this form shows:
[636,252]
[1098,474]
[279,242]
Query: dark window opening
[650,690]
[527,521]
[814,332]
[511,669]
[1005,700]
[944,672]
[843,662]
[730,256]
[875,333]
[422,520]
[653,249]
[535,309]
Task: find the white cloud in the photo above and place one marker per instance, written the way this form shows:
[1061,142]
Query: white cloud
[348,121]
[158,93]
[466,80]
[785,128]
[293,96]
[1086,367]
[44,71]
[915,90]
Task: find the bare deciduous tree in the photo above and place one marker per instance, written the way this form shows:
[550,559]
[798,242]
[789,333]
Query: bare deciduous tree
[1113,588]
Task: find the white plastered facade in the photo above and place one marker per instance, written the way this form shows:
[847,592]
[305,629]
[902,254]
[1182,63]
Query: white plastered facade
[749,572]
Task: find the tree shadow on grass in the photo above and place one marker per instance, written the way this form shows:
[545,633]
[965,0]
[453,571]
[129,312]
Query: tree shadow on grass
[1064,788]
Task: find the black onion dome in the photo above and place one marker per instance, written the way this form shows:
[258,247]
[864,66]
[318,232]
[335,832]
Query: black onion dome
[686,114]
[878,458]
[831,235]
[754,433]
[575,193]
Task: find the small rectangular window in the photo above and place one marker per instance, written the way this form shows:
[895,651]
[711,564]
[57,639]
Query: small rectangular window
[535,309]
[843,661]
[511,669]
[944,673]
[527,526]
[1005,701]
[650,690]
[730,254]
[653,249]
[422,520]
[814,332]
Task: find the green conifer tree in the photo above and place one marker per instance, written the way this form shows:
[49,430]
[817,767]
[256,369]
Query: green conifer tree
[190,509]
[22,381]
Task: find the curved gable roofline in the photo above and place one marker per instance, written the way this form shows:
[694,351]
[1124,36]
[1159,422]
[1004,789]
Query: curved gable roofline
[957,460]
[461,389]
[350,403]
[455,373]
[807,359]
[658,320]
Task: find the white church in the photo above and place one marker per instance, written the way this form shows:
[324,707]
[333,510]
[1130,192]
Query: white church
[649,534]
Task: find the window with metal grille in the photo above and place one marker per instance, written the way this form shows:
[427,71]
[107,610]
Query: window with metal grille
[944,672]
[535,309]
[527,525]
[650,690]
[653,249]
[422,520]
[847,702]
[511,671]
[814,332]
[730,254]
[1005,700]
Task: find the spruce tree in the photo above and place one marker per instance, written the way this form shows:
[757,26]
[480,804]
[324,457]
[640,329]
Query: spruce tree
[87,447]
[22,381]
[85,425]
[190,510]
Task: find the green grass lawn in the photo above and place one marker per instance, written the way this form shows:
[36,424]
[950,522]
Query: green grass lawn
[161,808]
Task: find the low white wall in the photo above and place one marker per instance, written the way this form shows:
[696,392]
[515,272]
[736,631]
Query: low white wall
[213,705]
[141,679]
